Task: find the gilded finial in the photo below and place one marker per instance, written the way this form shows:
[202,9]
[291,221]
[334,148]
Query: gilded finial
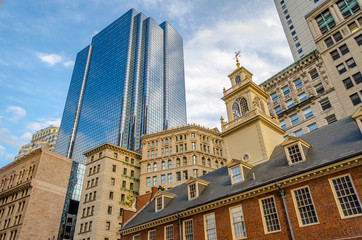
[237,54]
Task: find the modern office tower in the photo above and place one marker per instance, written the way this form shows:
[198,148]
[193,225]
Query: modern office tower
[170,157]
[129,81]
[44,138]
[337,31]
[291,14]
[303,97]
[111,183]
[32,194]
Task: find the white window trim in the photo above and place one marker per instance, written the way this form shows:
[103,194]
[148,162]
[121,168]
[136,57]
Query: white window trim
[183,228]
[297,210]
[232,223]
[148,233]
[205,230]
[336,197]
[162,203]
[196,191]
[263,217]
[134,236]
[171,225]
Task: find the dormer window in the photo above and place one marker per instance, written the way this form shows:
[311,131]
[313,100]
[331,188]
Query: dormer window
[357,116]
[295,149]
[195,187]
[238,169]
[236,174]
[162,199]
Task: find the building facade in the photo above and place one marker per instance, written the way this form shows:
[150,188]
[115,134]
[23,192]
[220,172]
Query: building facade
[291,14]
[337,31]
[302,96]
[110,184]
[170,157]
[302,190]
[32,194]
[45,138]
[129,81]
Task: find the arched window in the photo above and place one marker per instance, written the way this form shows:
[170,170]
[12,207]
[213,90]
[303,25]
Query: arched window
[155,167]
[222,164]
[209,162]
[203,161]
[149,168]
[194,159]
[240,107]
[184,161]
[237,79]
[169,164]
[259,104]
[216,164]
[178,162]
[163,165]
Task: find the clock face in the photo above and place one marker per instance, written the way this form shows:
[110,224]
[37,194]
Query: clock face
[237,79]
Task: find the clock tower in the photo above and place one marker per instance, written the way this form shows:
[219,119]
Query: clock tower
[250,133]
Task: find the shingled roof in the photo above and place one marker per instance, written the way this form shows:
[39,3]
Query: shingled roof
[332,143]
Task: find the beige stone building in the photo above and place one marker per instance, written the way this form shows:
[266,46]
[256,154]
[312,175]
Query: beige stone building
[32,194]
[303,97]
[170,157]
[45,138]
[336,29]
[110,184]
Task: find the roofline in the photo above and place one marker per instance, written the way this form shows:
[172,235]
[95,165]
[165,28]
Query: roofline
[315,9]
[108,145]
[284,180]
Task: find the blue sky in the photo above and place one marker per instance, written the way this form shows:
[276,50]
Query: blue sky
[40,39]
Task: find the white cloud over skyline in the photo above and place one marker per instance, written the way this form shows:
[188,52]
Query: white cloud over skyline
[14,113]
[50,59]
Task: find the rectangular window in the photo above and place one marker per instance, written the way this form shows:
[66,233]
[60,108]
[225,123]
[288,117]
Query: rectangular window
[294,154]
[294,119]
[302,97]
[178,176]
[329,42]
[286,90]
[289,22]
[358,40]
[169,232]
[163,179]
[158,203]
[348,7]
[325,21]
[341,68]
[331,119]
[236,172]
[325,104]
[353,27]
[283,125]
[290,103]
[314,74]
[298,83]
[291,27]
[114,168]
[169,177]
[337,36]
[188,230]
[238,224]
[344,49]
[346,197]
[299,133]
[351,63]
[300,50]
[152,235]
[305,207]
[195,173]
[136,237]
[278,110]
[154,180]
[109,211]
[148,182]
[348,83]
[297,45]
[185,175]
[307,113]
[210,226]
[312,127]
[275,97]
[355,99]
[335,54]
[357,78]
[319,88]
[293,33]
[269,214]
[108,226]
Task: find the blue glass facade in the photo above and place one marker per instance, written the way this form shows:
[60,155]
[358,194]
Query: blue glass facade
[128,82]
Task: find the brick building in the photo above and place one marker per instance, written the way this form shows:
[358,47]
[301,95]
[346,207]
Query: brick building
[32,194]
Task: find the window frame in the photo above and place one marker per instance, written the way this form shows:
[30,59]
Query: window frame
[165,232]
[336,197]
[184,228]
[297,210]
[232,222]
[135,237]
[149,233]
[263,216]
[205,225]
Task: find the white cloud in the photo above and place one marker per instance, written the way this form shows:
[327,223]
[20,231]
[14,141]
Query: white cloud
[68,63]
[50,59]
[42,123]
[8,138]
[14,113]
[209,59]
[9,156]
[2,150]
[26,136]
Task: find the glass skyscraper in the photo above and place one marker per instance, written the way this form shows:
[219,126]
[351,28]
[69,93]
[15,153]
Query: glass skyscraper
[129,81]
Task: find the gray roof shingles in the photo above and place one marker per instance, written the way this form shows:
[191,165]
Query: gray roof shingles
[331,143]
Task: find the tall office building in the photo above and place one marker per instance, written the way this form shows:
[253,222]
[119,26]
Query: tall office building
[129,81]
[291,14]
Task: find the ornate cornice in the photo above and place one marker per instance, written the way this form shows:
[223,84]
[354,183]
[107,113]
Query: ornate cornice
[114,148]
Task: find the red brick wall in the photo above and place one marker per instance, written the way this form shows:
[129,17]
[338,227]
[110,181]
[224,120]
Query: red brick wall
[330,226]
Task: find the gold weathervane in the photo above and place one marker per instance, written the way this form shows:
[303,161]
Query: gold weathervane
[237,54]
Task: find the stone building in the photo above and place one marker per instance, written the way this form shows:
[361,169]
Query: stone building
[303,96]
[170,157]
[45,138]
[111,183]
[336,27]
[297,189]
[32,194]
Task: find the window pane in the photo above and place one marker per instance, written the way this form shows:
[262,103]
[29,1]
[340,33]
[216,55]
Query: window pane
[270,215]
[306,210]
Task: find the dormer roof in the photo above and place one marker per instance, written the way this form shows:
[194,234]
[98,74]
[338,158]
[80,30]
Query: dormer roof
[290,140]
[357,116]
